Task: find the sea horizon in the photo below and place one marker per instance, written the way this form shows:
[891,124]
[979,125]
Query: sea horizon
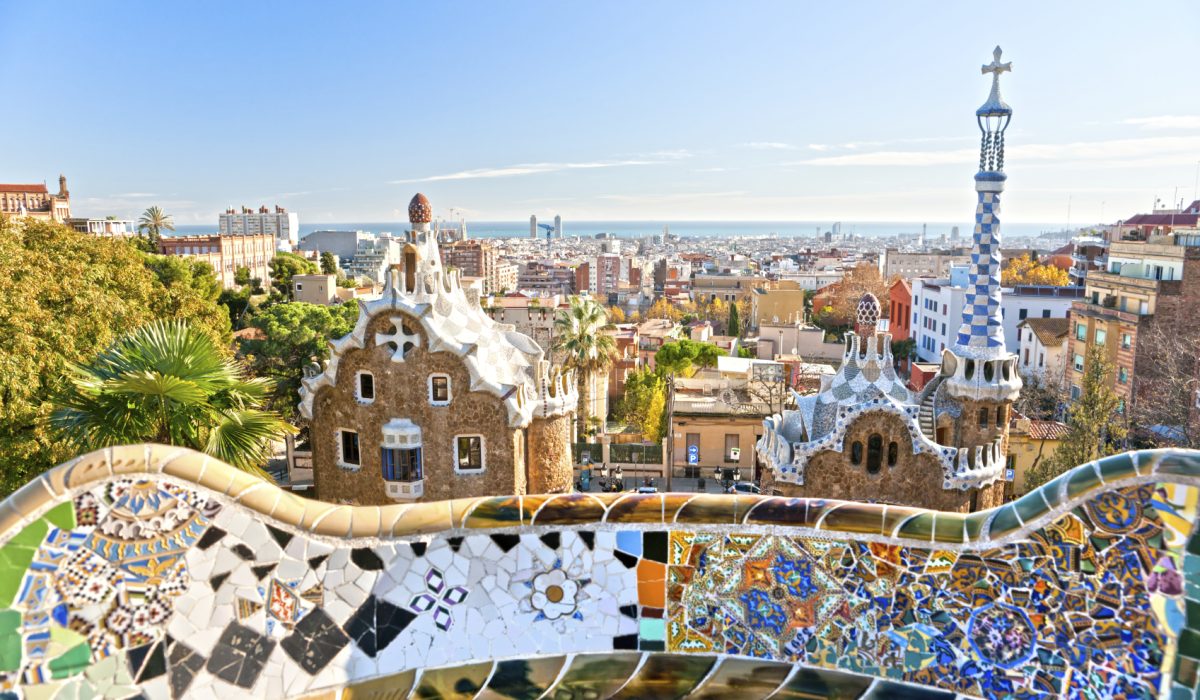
[688,229]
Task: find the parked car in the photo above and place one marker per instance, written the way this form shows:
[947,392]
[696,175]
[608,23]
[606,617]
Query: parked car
[647,489]
[743,487]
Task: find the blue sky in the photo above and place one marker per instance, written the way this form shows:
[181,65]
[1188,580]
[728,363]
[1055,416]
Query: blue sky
[616,110]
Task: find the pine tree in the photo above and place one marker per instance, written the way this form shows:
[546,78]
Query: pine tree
[1095,421]
[735,324]
[328,263]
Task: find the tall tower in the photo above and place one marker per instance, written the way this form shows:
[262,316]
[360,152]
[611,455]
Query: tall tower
[533,226]
[978,370]
[558,226]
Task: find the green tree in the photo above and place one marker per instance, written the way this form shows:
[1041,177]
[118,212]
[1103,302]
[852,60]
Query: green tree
[1096,424]
[168,382]
[580,339]
[644,403]
[66,297]
[190,291]
[241,276]
[329,264]
[284,266]
[678,356]
[745,352]
[295,334]
[735,324]
[152,223]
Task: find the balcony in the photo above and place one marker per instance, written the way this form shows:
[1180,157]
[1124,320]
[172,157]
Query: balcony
[1085,308]
[405,490]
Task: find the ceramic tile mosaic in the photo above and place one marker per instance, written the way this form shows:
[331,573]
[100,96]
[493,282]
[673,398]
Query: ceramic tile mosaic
[161,572]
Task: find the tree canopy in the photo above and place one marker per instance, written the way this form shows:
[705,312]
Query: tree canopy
[678,356]
[296,334]
[644,404]
[67,297]
[1025,270]
[1095,420]
[152,223]
[168,382]
[284,266]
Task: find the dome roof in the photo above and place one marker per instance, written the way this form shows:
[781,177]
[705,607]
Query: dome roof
[419,210]
[868,310]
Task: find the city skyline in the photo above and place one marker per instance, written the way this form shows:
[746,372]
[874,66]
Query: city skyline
[696,114]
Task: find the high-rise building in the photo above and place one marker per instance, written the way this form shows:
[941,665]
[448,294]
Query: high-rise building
[280,223]
[533,225]
[558,230]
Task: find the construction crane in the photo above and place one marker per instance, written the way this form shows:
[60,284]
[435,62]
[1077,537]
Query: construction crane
[549,233]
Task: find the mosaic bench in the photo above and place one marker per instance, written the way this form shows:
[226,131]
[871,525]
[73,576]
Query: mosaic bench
[158,571]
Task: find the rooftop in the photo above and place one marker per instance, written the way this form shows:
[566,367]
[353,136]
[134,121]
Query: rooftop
[1050,331]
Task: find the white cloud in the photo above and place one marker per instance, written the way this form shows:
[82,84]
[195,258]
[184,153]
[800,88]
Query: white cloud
[540,168]
[1165,121]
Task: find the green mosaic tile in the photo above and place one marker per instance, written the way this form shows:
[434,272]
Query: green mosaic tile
[1030,506]
[74,661]
[1193,614]
[974,524]
[667,676]
[949,528]
[62,516]
[16,556]
[1116,467]
[808,683]
[595,676]
[1189,644]
[1004,522]
[10,641]
[919,527]
[1081,480]
[1179,463]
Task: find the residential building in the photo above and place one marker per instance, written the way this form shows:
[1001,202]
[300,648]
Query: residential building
[1030,443]
[727,287]
[784,304]
[602,275]
[717,418]
[775,339]
[897,263]
[324,290]
[480,258]
[279,223]
[670,272]
[1089,251]
[225,254]
[1147,287]
[1160,222]
[110,227]
[36,201]
[429,399]
[374,256]
[900,315]
[546,278]
[1043,349]
[652,334]
[937,303]
[628,359]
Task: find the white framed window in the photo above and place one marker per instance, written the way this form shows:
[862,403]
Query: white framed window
[364,387]
[1101,336]
[439,390]
[1078,363]
[469,455]
[347,450]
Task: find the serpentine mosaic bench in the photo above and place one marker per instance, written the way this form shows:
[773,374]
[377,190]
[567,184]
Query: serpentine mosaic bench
[159,571]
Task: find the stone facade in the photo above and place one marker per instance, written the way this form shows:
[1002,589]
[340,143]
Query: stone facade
[429,399]
[36,201]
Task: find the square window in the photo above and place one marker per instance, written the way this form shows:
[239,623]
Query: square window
[1022,314]
[439,389]
[468,453]
[1078,362]
[1101,336]
[1126,340]
[1123,375]
[1080,331]
[348,448]
[1045,313]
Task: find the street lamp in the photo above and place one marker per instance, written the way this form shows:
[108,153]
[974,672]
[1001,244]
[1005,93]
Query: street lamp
[619,477]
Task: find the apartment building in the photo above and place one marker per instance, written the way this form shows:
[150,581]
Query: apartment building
[1042,351]
[546,278]
[225,253]
[937,306]
[1146,285]
[727,287]
[897,263]
[279,223]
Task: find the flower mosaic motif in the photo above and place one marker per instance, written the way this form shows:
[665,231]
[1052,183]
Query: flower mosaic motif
[1002,635]
[554,595]
[439,598]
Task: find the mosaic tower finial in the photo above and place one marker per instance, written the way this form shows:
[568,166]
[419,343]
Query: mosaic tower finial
[981,335]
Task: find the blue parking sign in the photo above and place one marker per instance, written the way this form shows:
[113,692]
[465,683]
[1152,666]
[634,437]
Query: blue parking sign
[693,454]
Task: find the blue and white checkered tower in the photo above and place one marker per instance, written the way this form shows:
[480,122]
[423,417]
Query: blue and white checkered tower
[981,336]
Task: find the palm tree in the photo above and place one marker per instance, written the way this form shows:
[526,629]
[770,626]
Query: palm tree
[584,348]
[153,222]
[168,382]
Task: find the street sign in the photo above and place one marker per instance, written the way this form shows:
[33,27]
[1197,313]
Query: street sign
[585,456]
[735,453]
[693,454]
[1009,475]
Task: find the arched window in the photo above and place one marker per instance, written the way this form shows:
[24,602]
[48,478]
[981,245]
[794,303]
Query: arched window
[856,453]
[874,454]
[410,269]
[893,453]
[983,418]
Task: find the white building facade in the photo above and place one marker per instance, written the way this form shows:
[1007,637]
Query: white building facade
[937,306]
[280,223]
